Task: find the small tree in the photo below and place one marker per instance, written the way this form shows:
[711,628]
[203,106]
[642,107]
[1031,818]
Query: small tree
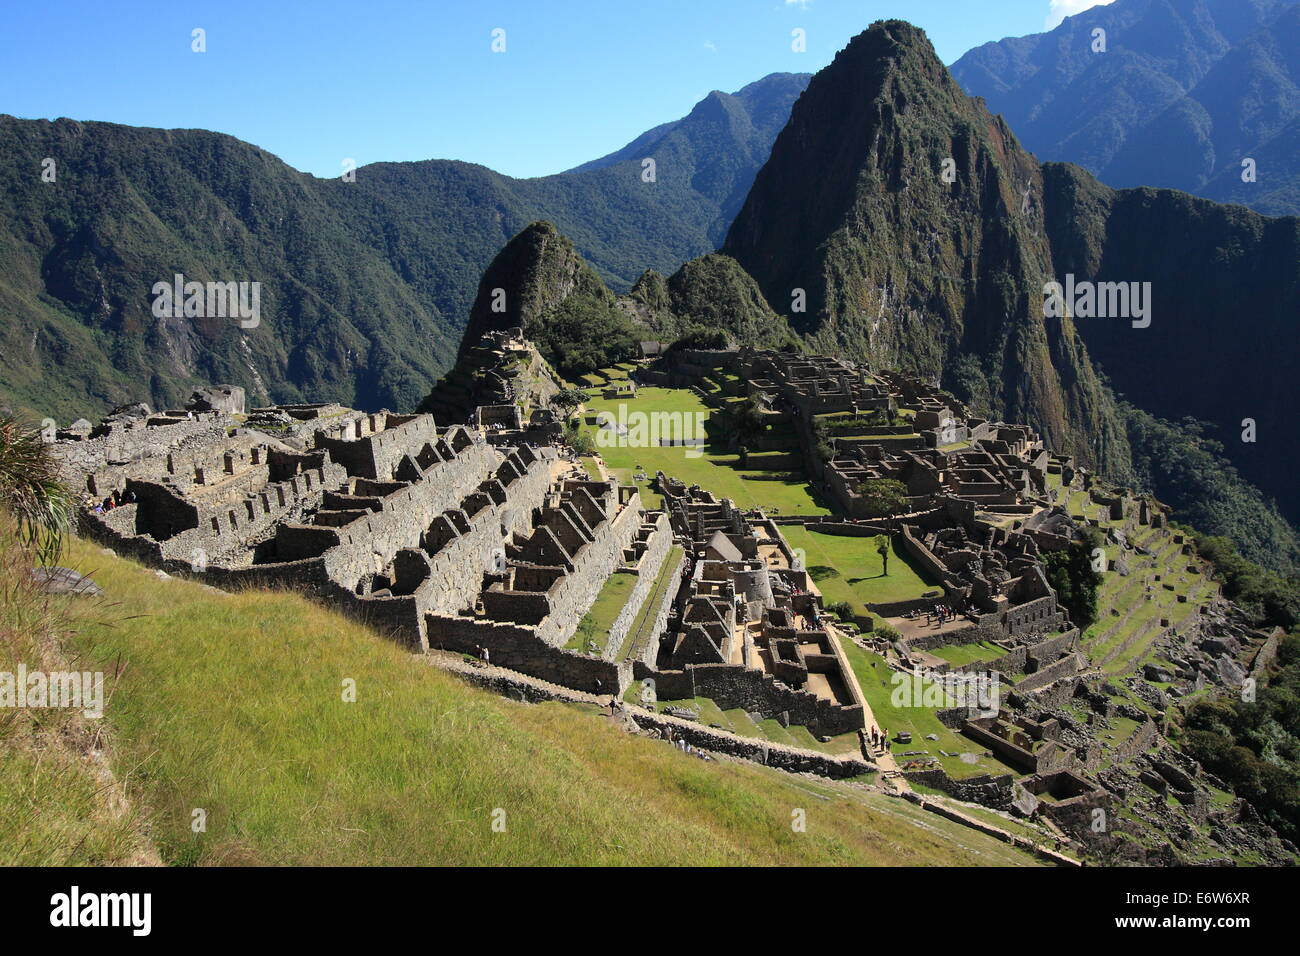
[883,496]
[587,631]
[569,399]
[1071,575]
[32,489]
[821,441]
[746,424]
[580,441]
[882,549]
[841,609]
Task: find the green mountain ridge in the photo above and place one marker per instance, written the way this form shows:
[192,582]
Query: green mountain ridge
[906,270]
[365,284]
[1184,91]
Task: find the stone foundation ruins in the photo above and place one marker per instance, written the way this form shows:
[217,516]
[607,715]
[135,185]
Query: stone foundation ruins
[472,530]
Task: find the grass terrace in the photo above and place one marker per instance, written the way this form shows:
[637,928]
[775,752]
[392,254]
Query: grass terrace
[876,679]
[772,481]
[595,624]
[1121,640]
[959,654]
[646,616]
[859,577]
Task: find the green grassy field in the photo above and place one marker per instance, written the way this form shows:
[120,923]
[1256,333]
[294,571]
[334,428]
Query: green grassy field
[763,483]
[958,654]
[234,704]
[595,624]
[876,680]
[646,617]
[860,579]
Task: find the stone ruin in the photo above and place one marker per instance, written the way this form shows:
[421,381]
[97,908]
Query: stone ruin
[500,372]
[484,538]
[455,539]
[437,536]
[747,629]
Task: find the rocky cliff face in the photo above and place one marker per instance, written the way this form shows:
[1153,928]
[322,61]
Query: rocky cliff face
[911,222]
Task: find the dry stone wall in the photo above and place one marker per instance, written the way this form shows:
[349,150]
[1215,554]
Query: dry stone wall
[658,544]
[758,693]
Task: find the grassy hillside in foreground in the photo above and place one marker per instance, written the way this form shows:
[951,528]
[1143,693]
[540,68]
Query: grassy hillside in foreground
[57,803]
[233,704]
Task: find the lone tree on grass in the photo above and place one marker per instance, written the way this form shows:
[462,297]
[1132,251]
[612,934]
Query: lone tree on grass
[882,549]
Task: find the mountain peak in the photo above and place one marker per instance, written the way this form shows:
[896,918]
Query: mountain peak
[897,221]
[534,272]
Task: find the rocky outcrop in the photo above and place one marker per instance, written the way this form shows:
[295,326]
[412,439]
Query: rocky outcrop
[535,273]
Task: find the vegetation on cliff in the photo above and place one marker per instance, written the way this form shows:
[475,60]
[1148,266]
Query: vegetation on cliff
[1254,745]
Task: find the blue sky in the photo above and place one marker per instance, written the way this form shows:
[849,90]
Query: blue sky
[317,82]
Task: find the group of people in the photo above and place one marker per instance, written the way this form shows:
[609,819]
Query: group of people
[879,738]
[687,748]
[115,500]
[681,744]
[942,613]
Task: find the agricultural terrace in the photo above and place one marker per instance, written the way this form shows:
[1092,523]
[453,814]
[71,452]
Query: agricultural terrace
[1163,588]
